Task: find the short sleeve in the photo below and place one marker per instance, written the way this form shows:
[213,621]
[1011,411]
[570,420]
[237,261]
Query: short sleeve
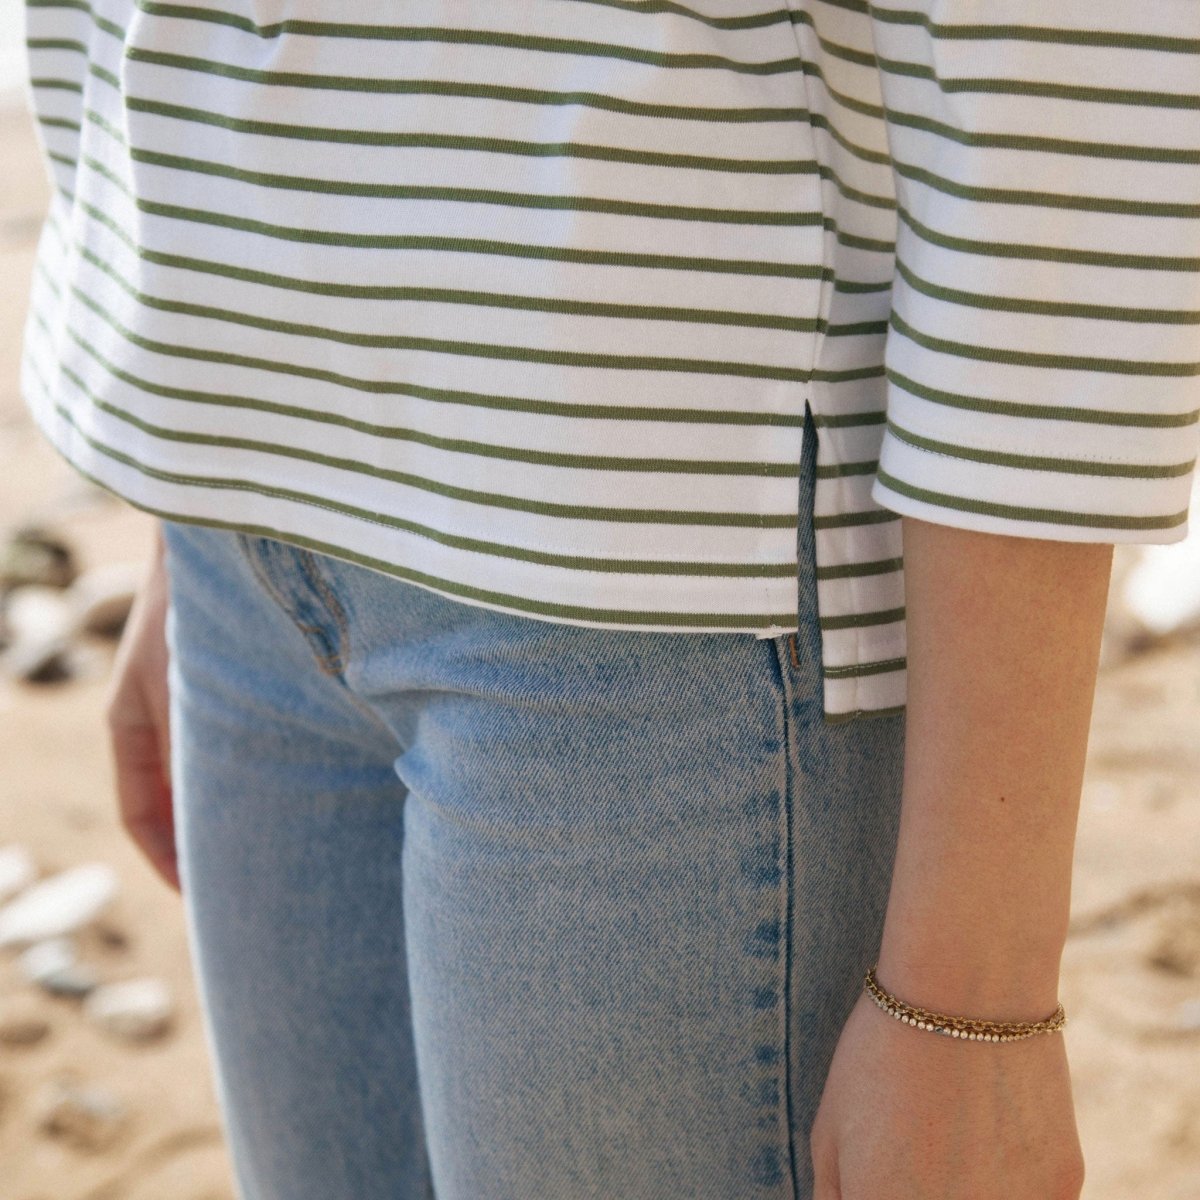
[1043,346]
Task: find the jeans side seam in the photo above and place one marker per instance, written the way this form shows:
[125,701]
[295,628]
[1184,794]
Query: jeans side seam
[788,906]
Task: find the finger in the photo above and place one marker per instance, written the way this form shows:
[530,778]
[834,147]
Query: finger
[144,796]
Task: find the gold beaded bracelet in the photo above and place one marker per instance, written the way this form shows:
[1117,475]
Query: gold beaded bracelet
[967,1028]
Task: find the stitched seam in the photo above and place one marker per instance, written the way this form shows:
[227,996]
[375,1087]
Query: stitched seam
[328,661]
[824,303]
[260,572]
[313,573]
[788,916]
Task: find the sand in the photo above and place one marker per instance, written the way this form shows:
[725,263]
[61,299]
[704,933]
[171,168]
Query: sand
[1131,970]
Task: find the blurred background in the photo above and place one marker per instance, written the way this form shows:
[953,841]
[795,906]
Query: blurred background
[105,1087]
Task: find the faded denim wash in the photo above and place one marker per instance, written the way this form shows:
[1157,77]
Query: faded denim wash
[485,907]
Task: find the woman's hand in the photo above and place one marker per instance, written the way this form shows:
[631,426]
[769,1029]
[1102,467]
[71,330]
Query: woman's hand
[912,1115]
[137,711]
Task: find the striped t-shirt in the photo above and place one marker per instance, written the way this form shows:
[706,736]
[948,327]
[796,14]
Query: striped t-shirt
[524,300]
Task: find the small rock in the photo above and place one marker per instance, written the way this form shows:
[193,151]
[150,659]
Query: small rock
[45,957]
[38,613]
[59,904]
[22,1021]
[33,554]
[17,870]
[103,596]
[39,623]
[138,1009]
[87,1117]
[53,966]
[79,980]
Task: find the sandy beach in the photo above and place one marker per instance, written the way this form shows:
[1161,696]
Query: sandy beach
[1131,971]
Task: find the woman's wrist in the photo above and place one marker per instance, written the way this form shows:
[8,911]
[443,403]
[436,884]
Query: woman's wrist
[973,980]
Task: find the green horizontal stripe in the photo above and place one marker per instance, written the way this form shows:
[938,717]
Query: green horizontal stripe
[848,520]
[887,616]
[858,670]
[1055,200]
[424,295]
[468,195]
[1017,512]
[1044,412]
[1058,362]
[70,45]
[1027,251]
[449,36]
[849,420]
[774,16]
[753,21]
[882,566]
[1054,35]
[1035,462]
[1115,151]
[392,139]
[841,470]
[502,93]
[1030,89]
[60,123]
[1049,308]
[444,36]
[55,85]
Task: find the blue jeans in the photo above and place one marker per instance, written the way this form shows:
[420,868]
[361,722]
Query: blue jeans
[485,907]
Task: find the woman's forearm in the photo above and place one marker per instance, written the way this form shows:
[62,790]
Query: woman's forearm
[1003,648]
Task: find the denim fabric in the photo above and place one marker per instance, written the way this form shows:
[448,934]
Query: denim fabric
[485,907]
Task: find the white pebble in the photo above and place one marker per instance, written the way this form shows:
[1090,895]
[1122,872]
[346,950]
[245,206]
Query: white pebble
[46,957]
[35,613]
[131,1008]
[58,904]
